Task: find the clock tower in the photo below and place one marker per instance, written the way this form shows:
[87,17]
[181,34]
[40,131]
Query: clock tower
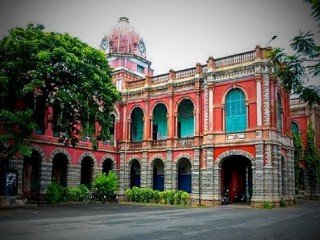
[126,53]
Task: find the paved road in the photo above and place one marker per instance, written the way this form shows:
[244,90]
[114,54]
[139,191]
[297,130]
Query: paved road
[125,221]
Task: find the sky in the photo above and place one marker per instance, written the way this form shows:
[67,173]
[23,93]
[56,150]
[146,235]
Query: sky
[178,34]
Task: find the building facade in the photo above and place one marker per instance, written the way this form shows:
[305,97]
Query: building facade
[224,124]
[302,116]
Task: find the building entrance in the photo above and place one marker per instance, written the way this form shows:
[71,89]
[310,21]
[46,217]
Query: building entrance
[236,178]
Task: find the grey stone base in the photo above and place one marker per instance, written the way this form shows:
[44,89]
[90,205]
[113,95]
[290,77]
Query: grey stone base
[11,202]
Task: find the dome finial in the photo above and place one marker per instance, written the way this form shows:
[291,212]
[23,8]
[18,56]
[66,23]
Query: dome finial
[123,19]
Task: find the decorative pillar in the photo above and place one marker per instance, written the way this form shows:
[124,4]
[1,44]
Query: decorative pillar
[257,176]
[144,169]
[196,175]
[197,132]
[45,176]
[168,173]
[171,119]
[128,134]
[259,103]
[210,110]
[216,184]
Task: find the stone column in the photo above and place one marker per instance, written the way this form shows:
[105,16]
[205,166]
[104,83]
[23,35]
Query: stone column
[291,177]
[196,175]
[144,168]
[269,170]
[257,176]
[45,176]
[122,173]
[74,175]
[97,171]
[17,164]
[209,177]
[216,184]
[277,173]
[149,174]
[168,172]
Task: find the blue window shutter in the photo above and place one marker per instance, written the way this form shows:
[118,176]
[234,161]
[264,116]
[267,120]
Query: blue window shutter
[236,112]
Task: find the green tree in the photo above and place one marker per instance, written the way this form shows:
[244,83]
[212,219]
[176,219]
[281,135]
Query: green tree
[294,70]
[39,68]
[312,158]
[298,152]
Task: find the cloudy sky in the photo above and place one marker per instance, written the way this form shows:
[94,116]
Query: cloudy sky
[177,33]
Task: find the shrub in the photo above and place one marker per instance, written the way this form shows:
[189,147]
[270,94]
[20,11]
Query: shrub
[282,203]
[73,193]
[129,194]
[177,197]
[267,205]
[184,198]
[156,196]
[83,192]
[106,184]
[53,193]
[77,193]
[148,195]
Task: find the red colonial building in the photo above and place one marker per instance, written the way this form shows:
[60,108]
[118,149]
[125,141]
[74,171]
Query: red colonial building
[301,116]
[222,124]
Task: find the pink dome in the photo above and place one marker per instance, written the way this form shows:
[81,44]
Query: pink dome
[123,39]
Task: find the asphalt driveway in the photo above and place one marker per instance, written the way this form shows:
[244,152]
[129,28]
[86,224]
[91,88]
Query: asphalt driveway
[126,221]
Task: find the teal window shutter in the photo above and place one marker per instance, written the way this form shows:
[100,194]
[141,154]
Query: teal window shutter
[236,111]
[186,119]
[294,128]
[137,125]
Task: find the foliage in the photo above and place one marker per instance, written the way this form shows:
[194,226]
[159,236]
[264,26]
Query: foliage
[77,193]
[106,184]
[40,69]
[298,151]
[294,70]
[56,193]
[282,203]
[148,195]
[53,193]
[267,205]
[312,158]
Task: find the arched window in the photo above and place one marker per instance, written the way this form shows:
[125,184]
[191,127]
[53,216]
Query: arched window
[159,122]
[279,113]
[236,112]
[185,126]
[137,125]
[294,128]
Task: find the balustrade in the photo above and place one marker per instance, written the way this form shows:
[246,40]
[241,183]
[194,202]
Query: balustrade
[185,142]
[238,58]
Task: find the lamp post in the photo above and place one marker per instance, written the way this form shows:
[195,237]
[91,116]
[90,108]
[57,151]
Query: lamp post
[273,38]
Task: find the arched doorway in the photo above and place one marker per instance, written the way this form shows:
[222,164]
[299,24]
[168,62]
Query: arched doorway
[107,166]
[159,127]
[236,176]
[60,169]
[87,171]
[31,176]
[185,126]
[135,174]
[158,175]
[184,175]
